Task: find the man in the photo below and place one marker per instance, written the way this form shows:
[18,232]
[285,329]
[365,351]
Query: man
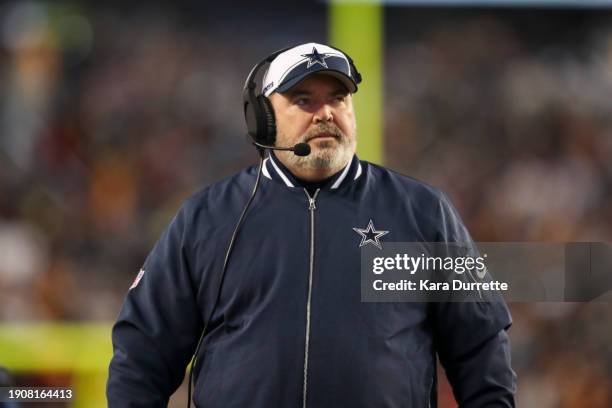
[289,328]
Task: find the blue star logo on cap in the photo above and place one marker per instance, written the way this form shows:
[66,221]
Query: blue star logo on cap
[316,58]
[370,235]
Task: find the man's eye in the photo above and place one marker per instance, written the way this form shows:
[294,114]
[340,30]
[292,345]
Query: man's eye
[340,98]
[301,101]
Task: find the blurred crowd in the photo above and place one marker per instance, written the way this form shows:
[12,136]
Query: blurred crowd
[108,120]
[515,124]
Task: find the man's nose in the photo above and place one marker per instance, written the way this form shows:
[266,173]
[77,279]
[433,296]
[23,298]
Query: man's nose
[323,114]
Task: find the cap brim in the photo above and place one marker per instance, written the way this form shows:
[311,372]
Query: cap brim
[351,86]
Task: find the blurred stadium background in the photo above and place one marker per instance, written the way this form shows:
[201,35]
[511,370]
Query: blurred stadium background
[111,115]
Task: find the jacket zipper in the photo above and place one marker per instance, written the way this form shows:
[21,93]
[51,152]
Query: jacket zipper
[311,208]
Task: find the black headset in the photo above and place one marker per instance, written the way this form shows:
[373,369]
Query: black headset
[258,111]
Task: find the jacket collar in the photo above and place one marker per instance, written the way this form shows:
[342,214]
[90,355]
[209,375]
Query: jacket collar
[275,170]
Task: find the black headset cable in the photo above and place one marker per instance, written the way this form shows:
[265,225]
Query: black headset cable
[228,253]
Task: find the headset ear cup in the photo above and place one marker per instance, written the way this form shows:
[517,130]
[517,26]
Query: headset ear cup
[250,117]
[269,120]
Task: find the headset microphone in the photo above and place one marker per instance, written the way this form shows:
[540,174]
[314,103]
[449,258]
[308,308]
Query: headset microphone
[300,149]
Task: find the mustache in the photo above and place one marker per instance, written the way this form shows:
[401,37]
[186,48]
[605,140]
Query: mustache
[329,129]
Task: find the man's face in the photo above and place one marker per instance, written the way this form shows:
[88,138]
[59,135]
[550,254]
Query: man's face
[317,111]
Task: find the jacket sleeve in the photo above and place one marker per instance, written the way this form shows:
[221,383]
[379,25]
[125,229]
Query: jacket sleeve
[158,326]
[471,337]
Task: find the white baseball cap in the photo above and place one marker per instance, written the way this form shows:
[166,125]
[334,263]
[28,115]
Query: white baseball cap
[292,66]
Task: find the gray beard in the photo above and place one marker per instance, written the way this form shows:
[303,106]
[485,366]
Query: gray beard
[325,158]
[331,156]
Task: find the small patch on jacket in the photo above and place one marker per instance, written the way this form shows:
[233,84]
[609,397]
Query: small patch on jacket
[138,278]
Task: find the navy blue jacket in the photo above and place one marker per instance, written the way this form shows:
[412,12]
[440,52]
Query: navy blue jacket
[290,329]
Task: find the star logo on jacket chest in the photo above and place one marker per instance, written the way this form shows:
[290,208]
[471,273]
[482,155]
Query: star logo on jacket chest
[370,235]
